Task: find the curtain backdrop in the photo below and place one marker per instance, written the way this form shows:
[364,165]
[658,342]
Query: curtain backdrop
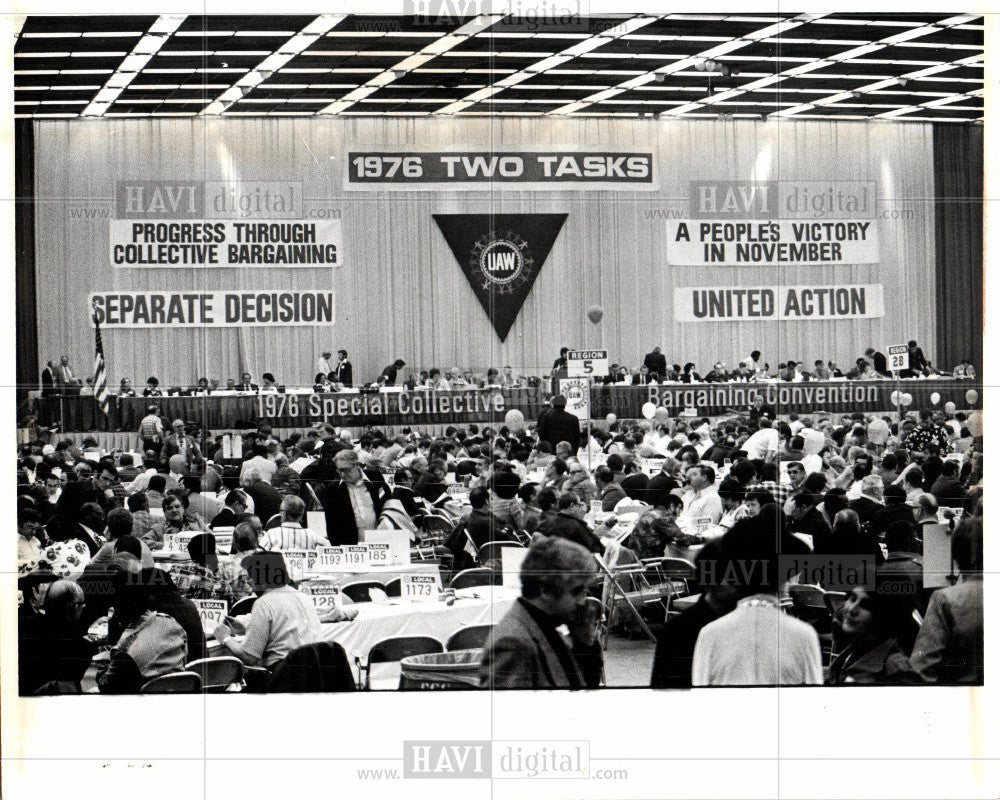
[26,350]
[399,290]
[958,215]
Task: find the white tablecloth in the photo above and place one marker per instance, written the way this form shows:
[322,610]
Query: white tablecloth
[381,574]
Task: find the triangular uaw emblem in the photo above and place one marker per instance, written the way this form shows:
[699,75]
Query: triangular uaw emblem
[501,255]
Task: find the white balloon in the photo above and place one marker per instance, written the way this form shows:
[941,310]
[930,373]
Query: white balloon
[935,398]
[648,410]
[906,399]
[662,415]
[514,420]
[878,431]
[971,396]
[895,397]
[611,419]
[949,407]
[976,423]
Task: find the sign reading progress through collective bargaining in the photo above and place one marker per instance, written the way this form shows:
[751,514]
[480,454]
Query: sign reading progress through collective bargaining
[214,243]
[487,170]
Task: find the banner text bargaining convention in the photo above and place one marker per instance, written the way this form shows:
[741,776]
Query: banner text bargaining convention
[139,244]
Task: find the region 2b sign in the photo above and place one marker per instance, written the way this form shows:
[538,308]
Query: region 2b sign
[587,363]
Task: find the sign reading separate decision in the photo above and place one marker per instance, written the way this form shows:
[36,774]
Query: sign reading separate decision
[587,363]
[725,243]
[725,304]
[221,308]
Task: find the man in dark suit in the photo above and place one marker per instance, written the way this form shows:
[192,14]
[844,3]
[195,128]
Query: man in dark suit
[390,373]
[656,362]
[246,384]
[49,379]
[266,499]
[559,425]
[179,443]
[568,523]
[879,362]
[343,372]
[232,513]
[353,503]
[524,650]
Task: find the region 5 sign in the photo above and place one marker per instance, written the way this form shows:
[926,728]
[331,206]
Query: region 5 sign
[587,363]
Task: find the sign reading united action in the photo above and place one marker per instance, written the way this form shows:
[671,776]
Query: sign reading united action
[501,255]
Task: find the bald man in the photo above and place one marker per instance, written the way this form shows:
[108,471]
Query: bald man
[52,653]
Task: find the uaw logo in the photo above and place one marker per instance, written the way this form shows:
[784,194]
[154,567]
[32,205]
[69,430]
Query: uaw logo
[501,256]
[574,395]
[505,261]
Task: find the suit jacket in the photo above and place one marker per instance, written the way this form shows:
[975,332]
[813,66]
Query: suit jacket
[227,518]
[569,527]
[883,664]
[656,362]
[341,526]
[266,499]
[344,373]
[559,426]
[171,447]
[517,655]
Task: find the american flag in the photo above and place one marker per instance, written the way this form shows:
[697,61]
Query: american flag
[100,373]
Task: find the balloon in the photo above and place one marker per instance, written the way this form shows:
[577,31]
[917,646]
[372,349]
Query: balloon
[935,398]
[906,399]
[611,419]
[648,410]
[971,396]
[895,398]
[878,431]
[514,420]
[662,415]
[949,407]
[976,423]
[595,314]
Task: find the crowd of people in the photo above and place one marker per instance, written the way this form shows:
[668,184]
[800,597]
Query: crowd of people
[740,490]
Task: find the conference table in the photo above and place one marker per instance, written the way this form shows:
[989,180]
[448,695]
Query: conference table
[302,408]
[482,605]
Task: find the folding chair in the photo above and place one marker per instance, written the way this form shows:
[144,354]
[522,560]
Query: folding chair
[244,606]
[394,588]
[673,576]
[478,576]
[395,649]
[491,551]
[468,638]
[358,591]
[808,602]
[217,674]
[173,683]
[438,524]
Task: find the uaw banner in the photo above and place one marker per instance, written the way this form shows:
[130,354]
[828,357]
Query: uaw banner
[501,255]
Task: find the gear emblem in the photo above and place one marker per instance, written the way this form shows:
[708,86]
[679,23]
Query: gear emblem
[503,261]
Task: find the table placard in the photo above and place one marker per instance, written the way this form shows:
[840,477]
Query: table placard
[328,559]
[324,596]
[379,554]
[398,543]
[356,557]
[316,522]
[212,613]
[420,588]
[937,555]
[178,542]
[297,562]
[223,540]
[510,565]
